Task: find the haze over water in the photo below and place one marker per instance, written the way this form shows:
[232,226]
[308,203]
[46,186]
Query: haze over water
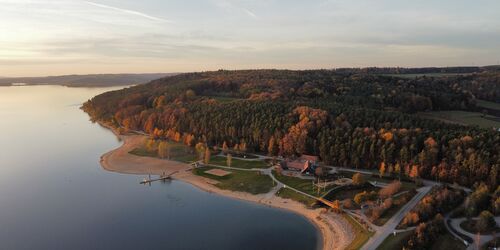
[55,195]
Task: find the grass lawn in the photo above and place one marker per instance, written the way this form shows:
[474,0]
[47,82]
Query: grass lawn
[290,194]
[487,104]
[242,155]
[447,242]
[463,117]
[244,181]
[178,152]
[143,152]
[237,163]
[397,205]
[408,186]
[470,226]
[342,194]
[405,184]
[304,185]
[395,242]
[361,235]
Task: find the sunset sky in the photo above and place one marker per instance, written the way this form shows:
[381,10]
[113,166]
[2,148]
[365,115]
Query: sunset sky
[52,37]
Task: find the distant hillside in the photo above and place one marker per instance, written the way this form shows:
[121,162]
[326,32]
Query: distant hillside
[419,71]
[96,80]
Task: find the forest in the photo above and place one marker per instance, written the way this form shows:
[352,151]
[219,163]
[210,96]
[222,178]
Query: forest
[349,118]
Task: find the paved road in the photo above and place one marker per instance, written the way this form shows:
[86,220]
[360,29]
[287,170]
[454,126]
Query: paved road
[273,191]
[380,232]
[219,166]
[352,170]
[266,171]
[390,225]
[270,173]
[447,223]
[455,223]
[259,157]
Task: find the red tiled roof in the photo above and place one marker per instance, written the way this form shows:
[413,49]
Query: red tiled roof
[295,165]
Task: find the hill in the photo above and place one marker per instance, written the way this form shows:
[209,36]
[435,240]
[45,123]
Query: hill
[348,119]
[95,80]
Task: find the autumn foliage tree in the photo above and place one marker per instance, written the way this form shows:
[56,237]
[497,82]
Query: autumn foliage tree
[229,160]
[348,117]
[358,179]
[206,158]
[164,150]
[300,135]
[440,199]
[426,234]
[390,190]
[200,149]
[225,148]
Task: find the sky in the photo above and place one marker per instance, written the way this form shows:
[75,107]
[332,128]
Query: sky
[55,37]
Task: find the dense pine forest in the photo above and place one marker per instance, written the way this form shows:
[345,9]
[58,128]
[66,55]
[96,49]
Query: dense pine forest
[359,118]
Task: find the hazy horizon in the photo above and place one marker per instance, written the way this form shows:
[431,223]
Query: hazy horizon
[42,38]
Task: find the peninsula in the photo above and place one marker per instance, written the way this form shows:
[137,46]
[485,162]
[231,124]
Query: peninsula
[353,150]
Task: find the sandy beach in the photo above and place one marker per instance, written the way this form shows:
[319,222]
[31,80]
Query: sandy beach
[336,233]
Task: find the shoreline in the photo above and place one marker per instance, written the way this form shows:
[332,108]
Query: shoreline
[334,231]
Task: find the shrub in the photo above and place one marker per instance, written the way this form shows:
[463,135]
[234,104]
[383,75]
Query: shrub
[390,190]
[358,179]
[426,234]
[485,221]
[361,197]
[348,204]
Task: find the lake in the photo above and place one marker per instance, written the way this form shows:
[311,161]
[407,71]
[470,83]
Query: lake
[55,195]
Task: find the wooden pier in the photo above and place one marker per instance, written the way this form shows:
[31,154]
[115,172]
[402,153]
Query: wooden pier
[162,177]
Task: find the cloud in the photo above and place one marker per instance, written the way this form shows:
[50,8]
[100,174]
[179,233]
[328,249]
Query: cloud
[231,7]
[130,12]
[251,14]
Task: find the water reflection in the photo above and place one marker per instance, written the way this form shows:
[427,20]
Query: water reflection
[55,195]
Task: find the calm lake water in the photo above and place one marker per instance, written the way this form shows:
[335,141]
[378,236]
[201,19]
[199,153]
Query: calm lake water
[55,195]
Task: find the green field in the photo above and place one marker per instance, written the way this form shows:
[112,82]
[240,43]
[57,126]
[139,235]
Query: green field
[241,155]
[143,152]
[487,104]
[178,152]
[290,194]
[361,235]
[395,242]
[237,163]
[405,182]
[447,242]
[394,209]
[304,185]
[243,181]
[470,226]
[405,185]
[463,118]
[342,194]
[444,242]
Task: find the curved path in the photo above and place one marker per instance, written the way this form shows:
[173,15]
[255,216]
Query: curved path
[335,231]
[373,242]
[483,238]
